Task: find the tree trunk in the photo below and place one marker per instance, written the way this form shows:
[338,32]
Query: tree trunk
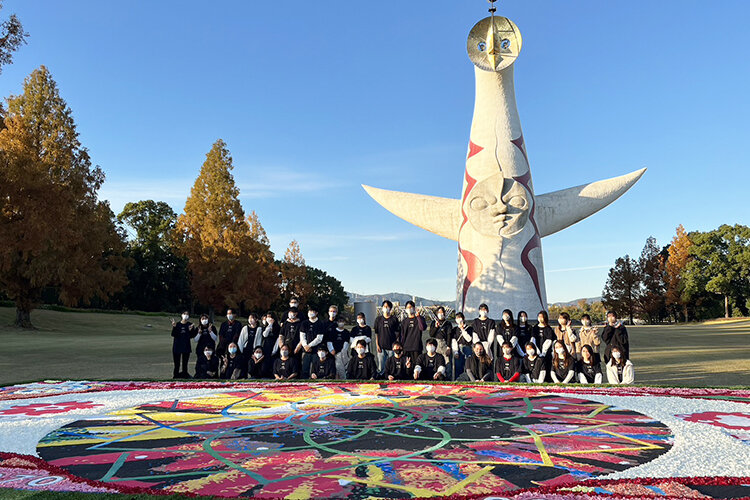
[23,318]
[686,312]
[726,306]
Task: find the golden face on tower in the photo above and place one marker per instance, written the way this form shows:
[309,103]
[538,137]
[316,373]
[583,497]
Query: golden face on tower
[494,43]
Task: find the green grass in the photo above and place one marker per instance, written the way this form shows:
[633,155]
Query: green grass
[103,346]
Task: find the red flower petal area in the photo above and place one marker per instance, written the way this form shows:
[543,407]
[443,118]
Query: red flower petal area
[49,408]
[358,441]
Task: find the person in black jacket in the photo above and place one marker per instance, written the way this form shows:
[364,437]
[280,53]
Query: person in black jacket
[508,366]
[387,331]
[411,331]
[430,365]
[615,335]
[362,366]
[588,368]
[311,335]
[182,332]
[286,366]
[232,364]
[478,366]
[258,366]
[207,365]
[229,332]
[398,366]
[323,366]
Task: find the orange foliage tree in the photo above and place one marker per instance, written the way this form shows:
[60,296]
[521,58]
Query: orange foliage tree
[674,266]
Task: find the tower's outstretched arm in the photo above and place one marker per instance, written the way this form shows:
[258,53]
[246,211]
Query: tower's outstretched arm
[441,216]
[554,211]
[559,209]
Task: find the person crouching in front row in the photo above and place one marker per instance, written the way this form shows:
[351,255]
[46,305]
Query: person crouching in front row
[534,371]
[563,365]
[323,366]
[508,365]
[478,366]
[207,365]
[286,367]
[430,365]
[232,364]
[362,366]
[258,366]
[398,366]
[619,369]
[588,367]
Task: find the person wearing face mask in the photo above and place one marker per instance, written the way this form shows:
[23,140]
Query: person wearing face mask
[507,331]
[564,333]
[268,341]
[289,333]
[615,335]
[362,366]
[232,364]
[620,369]
[207,365]
[257,365]
[182,332]
[430,365]
[534,371]
[331,321]
[294,303]
[323,366]
[442,331]
[478,366]
[205,337]
[246,341]
[311,336]
[398,366]
[461,344]
[484,328]
[563,365]
[286,366]
[588,369]
[544,336]
[360,332]
[589,335]
[523,330]
[338,347]
[508,365]
[412,327]
[229,331]
[387,331]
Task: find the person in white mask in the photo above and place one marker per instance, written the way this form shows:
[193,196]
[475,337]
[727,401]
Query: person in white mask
[387,330]
[311,336]
[257,365]
[412,327]
[323,366]
[524,333]
[563,365]
[484,329]
[286,366]
[534,370]
[430,365]
[182,332]
[251,332]
[620,369]
[229,331]
[207,366]
[461,344]
[205,336]
[589,335]
[441,330]
[338,347]
[362,366]
[360,331]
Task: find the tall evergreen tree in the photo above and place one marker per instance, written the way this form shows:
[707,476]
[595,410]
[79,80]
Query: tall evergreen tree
[651,301]
[224,259]
[621,290]
[54,230]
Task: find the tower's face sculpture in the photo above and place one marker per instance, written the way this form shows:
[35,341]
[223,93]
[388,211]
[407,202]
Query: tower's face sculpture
[499,222]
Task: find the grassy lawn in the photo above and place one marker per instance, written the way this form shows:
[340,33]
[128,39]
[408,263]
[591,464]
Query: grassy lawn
[79,346]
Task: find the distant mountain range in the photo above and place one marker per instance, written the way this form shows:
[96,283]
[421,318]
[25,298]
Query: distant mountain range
[401,298]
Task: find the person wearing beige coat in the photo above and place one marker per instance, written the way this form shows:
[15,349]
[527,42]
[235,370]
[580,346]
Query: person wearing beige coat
[588,335]
[566,335]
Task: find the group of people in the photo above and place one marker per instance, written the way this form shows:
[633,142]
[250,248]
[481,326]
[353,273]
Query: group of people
[507,350]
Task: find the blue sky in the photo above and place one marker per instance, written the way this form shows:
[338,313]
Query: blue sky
[316,98]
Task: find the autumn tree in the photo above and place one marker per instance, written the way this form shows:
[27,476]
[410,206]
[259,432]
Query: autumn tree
[226,262]
[651,301]
[159,279]
[54,230]
[325,290]
[622,288]
[674,269]
[294,276]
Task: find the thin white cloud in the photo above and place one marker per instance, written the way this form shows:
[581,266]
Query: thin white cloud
[270,182]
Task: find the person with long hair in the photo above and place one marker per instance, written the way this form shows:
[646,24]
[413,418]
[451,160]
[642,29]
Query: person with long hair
[508,365]
[534,369]
[205,336]
[619,368]
[564,333]
[589,335]
[544,337]
[588,368]
[252,329]
[507,331]
[232,365]
[524,333]
[478,366]
[615,335]
[267,341]
[286,366]
[442,331]
[461,344]
[484,328]
[257,365]
[563,365]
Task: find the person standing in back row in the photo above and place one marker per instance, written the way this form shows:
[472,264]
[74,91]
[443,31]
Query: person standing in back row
[182,332]
[411,331]
[229,332]
[483,329]
[387,331]
[442,331]
[615,335]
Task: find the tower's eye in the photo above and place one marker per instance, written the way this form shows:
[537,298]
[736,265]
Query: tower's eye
[505,44]
[481,46]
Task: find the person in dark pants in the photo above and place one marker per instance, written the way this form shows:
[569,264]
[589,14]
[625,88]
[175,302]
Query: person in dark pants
[207,365]
[387,330]
[229,332]
[615,335]
[362,366]
[462,336]
[205,335]
[398,366]
[411,331]
[323,366]
[182,332]
[430,365]
[442,331]
[286,367]
[312,333]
